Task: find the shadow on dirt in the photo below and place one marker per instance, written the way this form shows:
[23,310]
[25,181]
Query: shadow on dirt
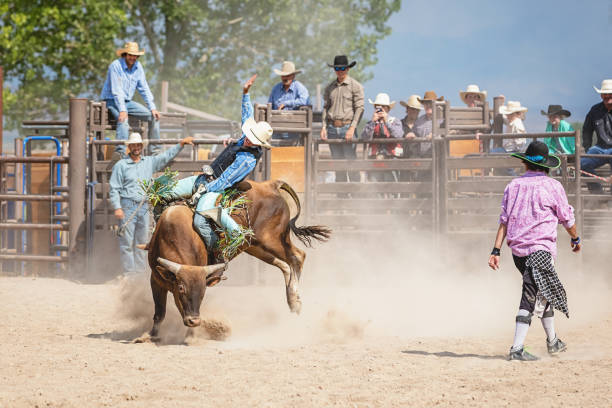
[128,337]
[453,355]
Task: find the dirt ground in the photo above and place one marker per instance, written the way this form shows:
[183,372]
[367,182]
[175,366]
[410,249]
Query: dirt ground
[408,334]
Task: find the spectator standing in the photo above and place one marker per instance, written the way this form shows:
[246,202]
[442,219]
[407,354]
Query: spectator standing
[423,125]
[343,103]
[598,120]
[413,108]
[472,96]
[126,197]
[383,126]
[514,114]
[125,76]
[557,123]
[289,94]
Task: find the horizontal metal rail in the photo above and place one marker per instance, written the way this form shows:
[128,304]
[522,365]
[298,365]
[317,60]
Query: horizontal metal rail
[29,159]
[33,197]
[28,226]
[162,141]
[33,258]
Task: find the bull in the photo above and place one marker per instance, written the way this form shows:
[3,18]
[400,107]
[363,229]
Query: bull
[179,259]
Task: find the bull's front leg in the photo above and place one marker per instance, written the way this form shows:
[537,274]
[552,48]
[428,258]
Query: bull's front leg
[160,295]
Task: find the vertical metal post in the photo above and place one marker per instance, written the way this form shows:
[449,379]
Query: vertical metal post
[77,179]
[307,138]
[318,105]
[1,112]
[498,120]
[578,204]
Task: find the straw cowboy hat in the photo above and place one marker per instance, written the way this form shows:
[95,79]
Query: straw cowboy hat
[472,89]
[341,61]
[537,153]
[383,100]
[257,132]
[288,68]
[556,110]
[430,96]
[606,87]
[412,102]
[134,138]
[130,48]
[511,107]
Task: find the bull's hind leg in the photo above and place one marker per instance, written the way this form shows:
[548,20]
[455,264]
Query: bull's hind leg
[272,257]
[160,295]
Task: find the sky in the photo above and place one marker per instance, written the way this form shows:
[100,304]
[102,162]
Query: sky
[537,52]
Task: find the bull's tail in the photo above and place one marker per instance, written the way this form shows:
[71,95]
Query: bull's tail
[304,234]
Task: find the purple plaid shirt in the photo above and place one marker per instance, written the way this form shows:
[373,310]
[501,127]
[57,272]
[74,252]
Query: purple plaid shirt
[532,206]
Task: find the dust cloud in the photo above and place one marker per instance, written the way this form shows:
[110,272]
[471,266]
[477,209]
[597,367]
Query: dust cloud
[377,285]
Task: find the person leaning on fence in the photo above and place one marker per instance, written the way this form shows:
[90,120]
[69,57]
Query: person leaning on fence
[343,103]
[532,207]
[289,94]
[125,76]
[413,108]
[513,114]
[233,165]
[128,201]
[598,120]
[383,126]
[473,97]
[423,125]
[557,123]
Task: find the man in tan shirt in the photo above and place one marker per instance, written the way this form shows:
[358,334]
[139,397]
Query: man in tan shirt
[342,110]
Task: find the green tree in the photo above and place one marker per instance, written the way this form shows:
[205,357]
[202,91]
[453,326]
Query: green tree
[207,48]
[52,50]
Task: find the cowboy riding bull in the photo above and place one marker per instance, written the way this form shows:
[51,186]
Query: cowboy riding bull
[180,250]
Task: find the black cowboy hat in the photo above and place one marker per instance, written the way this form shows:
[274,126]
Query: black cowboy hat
[341,61]
[537,153]
[556,110]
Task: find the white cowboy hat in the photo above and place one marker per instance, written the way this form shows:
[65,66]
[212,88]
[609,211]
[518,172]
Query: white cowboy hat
[130,48]
[606,87]
[513,106]
[412,102]
[134,138]
[383,100]
[472,89]
[287,68]
[257,132]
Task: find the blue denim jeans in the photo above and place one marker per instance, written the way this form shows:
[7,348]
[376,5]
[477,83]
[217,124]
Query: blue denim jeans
[123,128]
[342,151]
[589,164]
[135,232]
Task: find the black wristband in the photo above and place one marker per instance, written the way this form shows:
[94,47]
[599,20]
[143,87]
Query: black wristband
[496,251]
[575,241]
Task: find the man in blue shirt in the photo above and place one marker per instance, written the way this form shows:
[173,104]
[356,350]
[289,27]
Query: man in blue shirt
[126,76]
[288,94]
[232,166]
[126,196]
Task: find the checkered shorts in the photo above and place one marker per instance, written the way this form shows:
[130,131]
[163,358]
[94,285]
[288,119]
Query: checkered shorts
[547,281]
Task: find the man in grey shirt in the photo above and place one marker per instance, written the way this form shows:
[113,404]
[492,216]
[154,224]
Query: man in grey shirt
[126,195]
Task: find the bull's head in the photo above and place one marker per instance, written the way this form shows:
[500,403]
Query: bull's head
[189,286]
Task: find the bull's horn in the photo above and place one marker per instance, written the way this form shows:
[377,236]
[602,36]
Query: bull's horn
[208,269]
[171,266]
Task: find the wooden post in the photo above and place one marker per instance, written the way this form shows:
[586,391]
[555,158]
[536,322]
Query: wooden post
[498,120]
[318,105]
[164,96]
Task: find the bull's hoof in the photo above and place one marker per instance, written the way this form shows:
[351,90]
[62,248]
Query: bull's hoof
[146,338]
[295,305]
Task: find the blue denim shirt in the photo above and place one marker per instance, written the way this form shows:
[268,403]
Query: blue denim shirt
[121,83]
[243,164]
[127,174]
[293,98]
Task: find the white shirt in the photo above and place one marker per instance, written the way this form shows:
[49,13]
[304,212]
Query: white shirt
[515,145]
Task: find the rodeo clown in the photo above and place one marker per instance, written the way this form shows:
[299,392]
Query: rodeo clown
[232,166]
[532,206]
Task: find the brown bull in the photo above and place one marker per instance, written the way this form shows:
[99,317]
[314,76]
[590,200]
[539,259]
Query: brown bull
[179,260]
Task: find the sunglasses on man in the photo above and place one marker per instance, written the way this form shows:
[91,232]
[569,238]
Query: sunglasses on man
[340,68]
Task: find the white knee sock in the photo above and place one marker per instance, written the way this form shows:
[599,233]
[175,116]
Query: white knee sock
[520,333]
[549,327]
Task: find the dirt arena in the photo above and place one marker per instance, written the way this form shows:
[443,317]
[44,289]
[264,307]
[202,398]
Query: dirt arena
[375,331]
